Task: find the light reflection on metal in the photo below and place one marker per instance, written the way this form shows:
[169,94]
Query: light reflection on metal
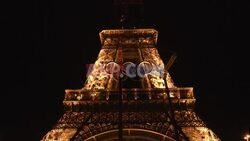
[92,110]
[152,136]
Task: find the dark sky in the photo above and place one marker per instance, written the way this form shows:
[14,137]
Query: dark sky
[47,44]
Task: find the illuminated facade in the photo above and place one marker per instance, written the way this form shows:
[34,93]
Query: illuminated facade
[152,107]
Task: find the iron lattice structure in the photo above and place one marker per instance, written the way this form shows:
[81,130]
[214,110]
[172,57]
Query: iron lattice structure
[92,113]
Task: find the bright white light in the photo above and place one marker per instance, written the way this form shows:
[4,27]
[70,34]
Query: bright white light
[247,137]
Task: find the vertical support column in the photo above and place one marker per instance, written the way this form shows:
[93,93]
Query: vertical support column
[120,110]
[120,61]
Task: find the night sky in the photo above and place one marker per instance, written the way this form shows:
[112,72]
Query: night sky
[47,44]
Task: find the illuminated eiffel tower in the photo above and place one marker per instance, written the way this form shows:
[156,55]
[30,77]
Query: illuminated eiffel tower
[129,95]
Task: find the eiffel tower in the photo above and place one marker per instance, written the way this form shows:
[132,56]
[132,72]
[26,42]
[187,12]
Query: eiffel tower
[129,95]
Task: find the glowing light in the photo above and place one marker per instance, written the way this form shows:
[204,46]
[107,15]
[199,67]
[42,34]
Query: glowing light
[247,137]
[98,78]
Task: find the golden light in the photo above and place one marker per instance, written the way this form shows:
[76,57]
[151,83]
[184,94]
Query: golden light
[98,95]
[247,137]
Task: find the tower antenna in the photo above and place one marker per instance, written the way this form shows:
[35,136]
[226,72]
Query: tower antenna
[130,12]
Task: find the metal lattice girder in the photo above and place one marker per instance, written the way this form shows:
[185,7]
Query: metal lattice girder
[150,104]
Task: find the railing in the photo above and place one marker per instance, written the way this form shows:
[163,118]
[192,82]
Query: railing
[128,94]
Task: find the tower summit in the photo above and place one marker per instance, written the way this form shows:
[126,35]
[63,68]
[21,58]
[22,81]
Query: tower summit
[129,95]
[130,13]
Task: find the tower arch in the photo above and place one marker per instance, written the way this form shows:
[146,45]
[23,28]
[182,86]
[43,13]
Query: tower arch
[131,134]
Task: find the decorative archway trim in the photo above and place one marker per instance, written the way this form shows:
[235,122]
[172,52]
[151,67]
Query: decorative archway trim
[130,133]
